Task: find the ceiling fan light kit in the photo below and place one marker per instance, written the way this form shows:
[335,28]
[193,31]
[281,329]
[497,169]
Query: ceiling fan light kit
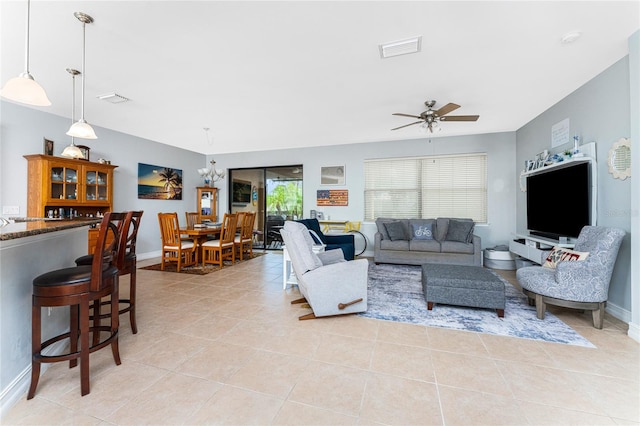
[430,119]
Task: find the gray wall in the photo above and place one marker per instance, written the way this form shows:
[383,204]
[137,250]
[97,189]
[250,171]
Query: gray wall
[598,112]
[23,129]
[500,148]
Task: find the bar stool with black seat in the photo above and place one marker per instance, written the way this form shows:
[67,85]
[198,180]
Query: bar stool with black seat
[77,287]
[126,262]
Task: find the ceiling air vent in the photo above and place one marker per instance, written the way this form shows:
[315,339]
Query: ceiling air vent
[113,98]
[401,47]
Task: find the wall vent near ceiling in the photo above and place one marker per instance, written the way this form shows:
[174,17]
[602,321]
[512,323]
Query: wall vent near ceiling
[113,98]
[401,47]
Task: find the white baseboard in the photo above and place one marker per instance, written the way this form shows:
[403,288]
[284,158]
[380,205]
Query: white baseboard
[618,312]
[20,385]
[149,255]
[634,331]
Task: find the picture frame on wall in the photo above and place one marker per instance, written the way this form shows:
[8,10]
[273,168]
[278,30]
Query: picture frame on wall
[85,151]
[47,147]
[332,175]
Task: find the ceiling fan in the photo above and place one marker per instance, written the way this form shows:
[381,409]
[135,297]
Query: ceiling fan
[430,118]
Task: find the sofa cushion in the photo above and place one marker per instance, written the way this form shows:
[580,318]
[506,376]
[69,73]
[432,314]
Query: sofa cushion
[442,224]
[381,228]
[421,229]
[394,245]
[396,231]
[460,230]
[456,247]
[432,246]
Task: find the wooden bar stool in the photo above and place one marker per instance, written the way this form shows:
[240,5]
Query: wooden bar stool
[126,262]
[77,287]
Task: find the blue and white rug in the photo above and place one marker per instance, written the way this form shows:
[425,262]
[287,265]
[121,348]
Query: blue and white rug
[395,294]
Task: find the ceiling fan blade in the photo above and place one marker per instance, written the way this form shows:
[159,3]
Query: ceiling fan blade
[460,118]
[406,125]
[406,115]
[447,109]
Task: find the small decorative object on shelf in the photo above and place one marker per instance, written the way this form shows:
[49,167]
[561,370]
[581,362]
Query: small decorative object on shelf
[85,151]
[48,147]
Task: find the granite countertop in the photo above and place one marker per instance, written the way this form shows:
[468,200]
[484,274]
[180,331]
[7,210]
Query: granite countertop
[26,227]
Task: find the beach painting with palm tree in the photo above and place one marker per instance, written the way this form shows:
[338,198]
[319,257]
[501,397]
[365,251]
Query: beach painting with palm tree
[159,183]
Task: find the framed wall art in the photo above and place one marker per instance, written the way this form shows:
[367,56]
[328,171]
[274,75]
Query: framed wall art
[332,197]
[159,183]
[332,175]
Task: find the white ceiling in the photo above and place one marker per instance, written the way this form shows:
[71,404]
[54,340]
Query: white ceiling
[269,75]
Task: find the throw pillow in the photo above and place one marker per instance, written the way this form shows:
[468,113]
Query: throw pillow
[422,230]
[460,230]
[395,231]
[560,254]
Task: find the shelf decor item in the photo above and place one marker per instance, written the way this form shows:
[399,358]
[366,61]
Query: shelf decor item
[85,152]
[48,147]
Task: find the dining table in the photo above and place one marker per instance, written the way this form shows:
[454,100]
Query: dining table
[200,234]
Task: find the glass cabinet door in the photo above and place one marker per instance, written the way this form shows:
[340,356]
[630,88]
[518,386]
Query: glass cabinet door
[64,183]
[96,184]
[207,199]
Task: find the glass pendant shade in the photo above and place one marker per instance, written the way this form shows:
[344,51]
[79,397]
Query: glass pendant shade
[26,90]
[72,151]
[81,129]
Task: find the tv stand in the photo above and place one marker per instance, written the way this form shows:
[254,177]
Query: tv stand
[535,248]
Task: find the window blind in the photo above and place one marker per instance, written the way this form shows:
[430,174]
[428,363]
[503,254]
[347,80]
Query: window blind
[427,187]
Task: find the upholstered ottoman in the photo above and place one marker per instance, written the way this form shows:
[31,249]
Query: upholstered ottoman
[461,285]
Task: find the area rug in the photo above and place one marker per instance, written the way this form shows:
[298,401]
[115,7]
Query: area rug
[198,269]
[395,294]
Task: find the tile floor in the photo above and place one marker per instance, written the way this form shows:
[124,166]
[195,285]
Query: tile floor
[227,348]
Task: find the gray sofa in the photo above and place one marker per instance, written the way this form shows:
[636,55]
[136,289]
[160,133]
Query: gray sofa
[419,241]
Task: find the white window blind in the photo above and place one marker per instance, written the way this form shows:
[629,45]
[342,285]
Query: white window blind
[427,187]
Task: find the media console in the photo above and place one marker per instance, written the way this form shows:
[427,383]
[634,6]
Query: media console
[535,248]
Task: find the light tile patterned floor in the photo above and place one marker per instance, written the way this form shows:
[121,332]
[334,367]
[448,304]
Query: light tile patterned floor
[227,348]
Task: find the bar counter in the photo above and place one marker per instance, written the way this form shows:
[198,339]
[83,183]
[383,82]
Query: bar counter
[26,227]
[29,248]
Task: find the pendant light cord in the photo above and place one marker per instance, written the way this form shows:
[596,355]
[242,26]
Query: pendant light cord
[84,34]
[26,58]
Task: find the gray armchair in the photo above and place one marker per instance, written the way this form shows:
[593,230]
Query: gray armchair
[328,283]
[579,284]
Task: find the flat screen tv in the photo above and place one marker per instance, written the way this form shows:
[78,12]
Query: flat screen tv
[559,201]
[241,191]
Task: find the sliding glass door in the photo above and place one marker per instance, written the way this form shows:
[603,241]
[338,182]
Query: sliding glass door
[275,196]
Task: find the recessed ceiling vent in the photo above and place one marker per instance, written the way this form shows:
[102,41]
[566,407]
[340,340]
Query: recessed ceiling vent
[401,47]
[113,98]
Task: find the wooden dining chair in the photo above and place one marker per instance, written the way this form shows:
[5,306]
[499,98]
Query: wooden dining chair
[192,218]
[221,249]
[244,241]
[174,248]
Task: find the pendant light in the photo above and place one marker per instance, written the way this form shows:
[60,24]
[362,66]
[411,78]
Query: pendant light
[82,129]
[72,151]
[24,88]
